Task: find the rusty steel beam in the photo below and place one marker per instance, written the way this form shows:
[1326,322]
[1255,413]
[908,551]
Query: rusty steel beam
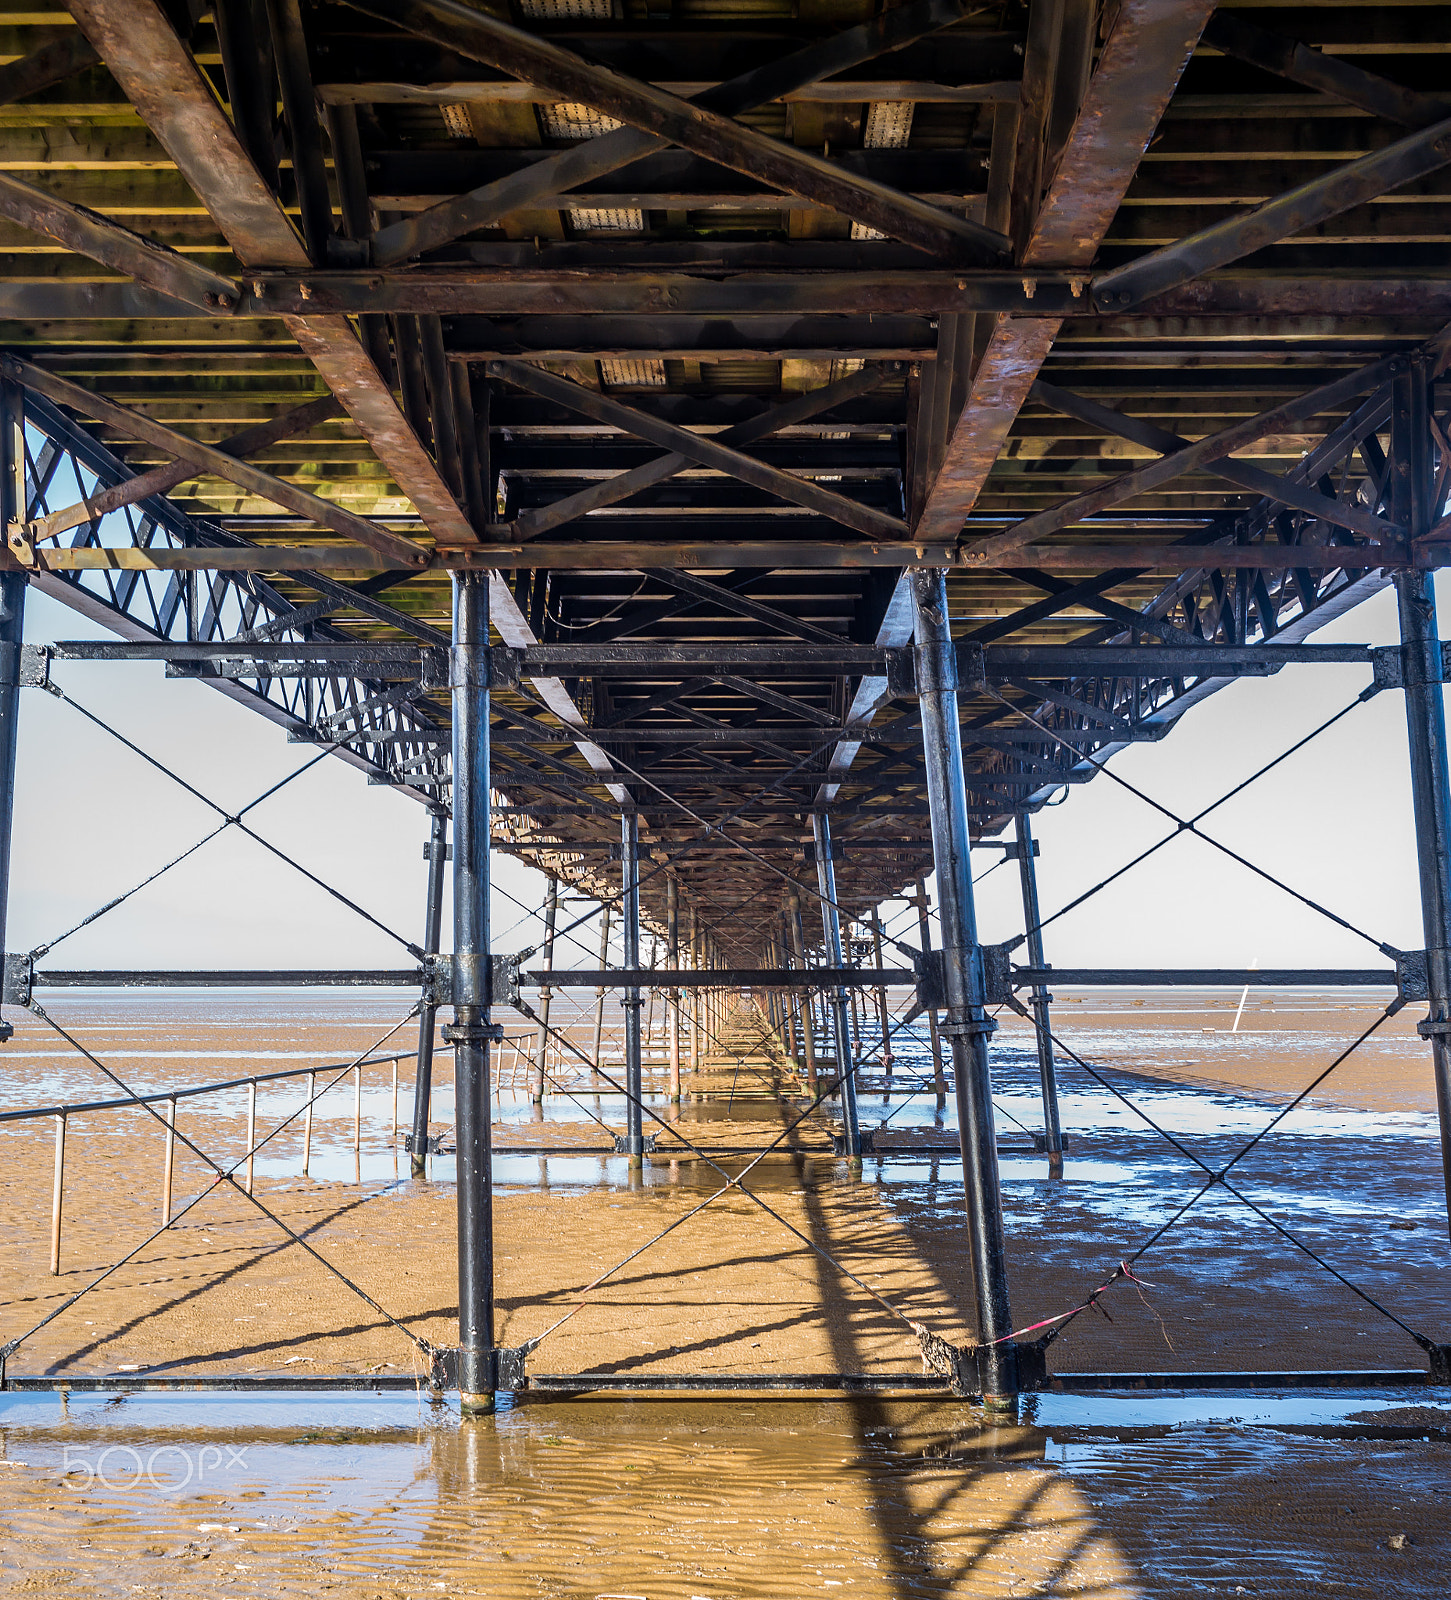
[484,37]
[160,480]
[161,79]
[596,555]
[1339,513]
[1138,69]
[1215,446]
[208,458]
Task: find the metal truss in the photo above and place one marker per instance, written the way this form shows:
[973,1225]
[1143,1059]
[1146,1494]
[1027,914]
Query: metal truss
[391,734]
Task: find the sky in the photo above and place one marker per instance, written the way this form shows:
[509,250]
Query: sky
[93,819]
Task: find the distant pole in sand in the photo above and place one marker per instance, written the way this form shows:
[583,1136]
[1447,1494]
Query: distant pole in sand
[1026,848]
[168,1164]
[831,933]
[633,1142]
[436,852]
[57,1192]
[1244,995]
[1414,505]
[307,1123]
[251,1133]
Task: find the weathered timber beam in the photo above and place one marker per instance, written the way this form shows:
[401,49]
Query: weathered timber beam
[1212,448]
[1339,513]
[1232,33]
[611,491]
[707,452]
[394,550]
[1139,67]
[160,480]
[158,74]
[1420,153]
[690,125]
[60,56]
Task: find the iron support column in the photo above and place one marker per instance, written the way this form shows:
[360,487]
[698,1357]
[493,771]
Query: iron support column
[672,960]
[436,851]
[1412,505]
[1047,1073]
[600,993]
[634,1141]
[807,1008]
[12,626]
[471,1032]
[968,1026]
[883,1015]
[831,931]
[924,932]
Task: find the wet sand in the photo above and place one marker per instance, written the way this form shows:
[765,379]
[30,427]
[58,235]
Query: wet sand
[662,1499]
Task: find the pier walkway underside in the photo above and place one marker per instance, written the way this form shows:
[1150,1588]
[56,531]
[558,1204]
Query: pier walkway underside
[734,458]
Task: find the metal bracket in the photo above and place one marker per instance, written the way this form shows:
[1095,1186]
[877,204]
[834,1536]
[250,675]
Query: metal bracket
[505,667]
[1040,1143]
[970,1028]
[997,974]
[504,981]
[808,852]
[497,668]
[1412,983]
[1032,1360]
[20,541]
[433,667]
[971,667]
[1013,850]
[510,1370]
[865,1136]
[1389,664]
[443,1368]
[902,674]
[931,981]
[428,851]
[1440,1361]
[622,1145]
[19,974]
[34,666]
[438,984]
[473,1033]
[431,1146]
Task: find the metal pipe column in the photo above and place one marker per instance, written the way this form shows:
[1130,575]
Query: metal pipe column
[967,1027]
[831,930]
[600,992]
[807,1008]
[471,1032]
[924,931]
[1412,505]
[12,626]
[541,1056]
[633,1144]
[672,960]
[1047,1073]
[436,851]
